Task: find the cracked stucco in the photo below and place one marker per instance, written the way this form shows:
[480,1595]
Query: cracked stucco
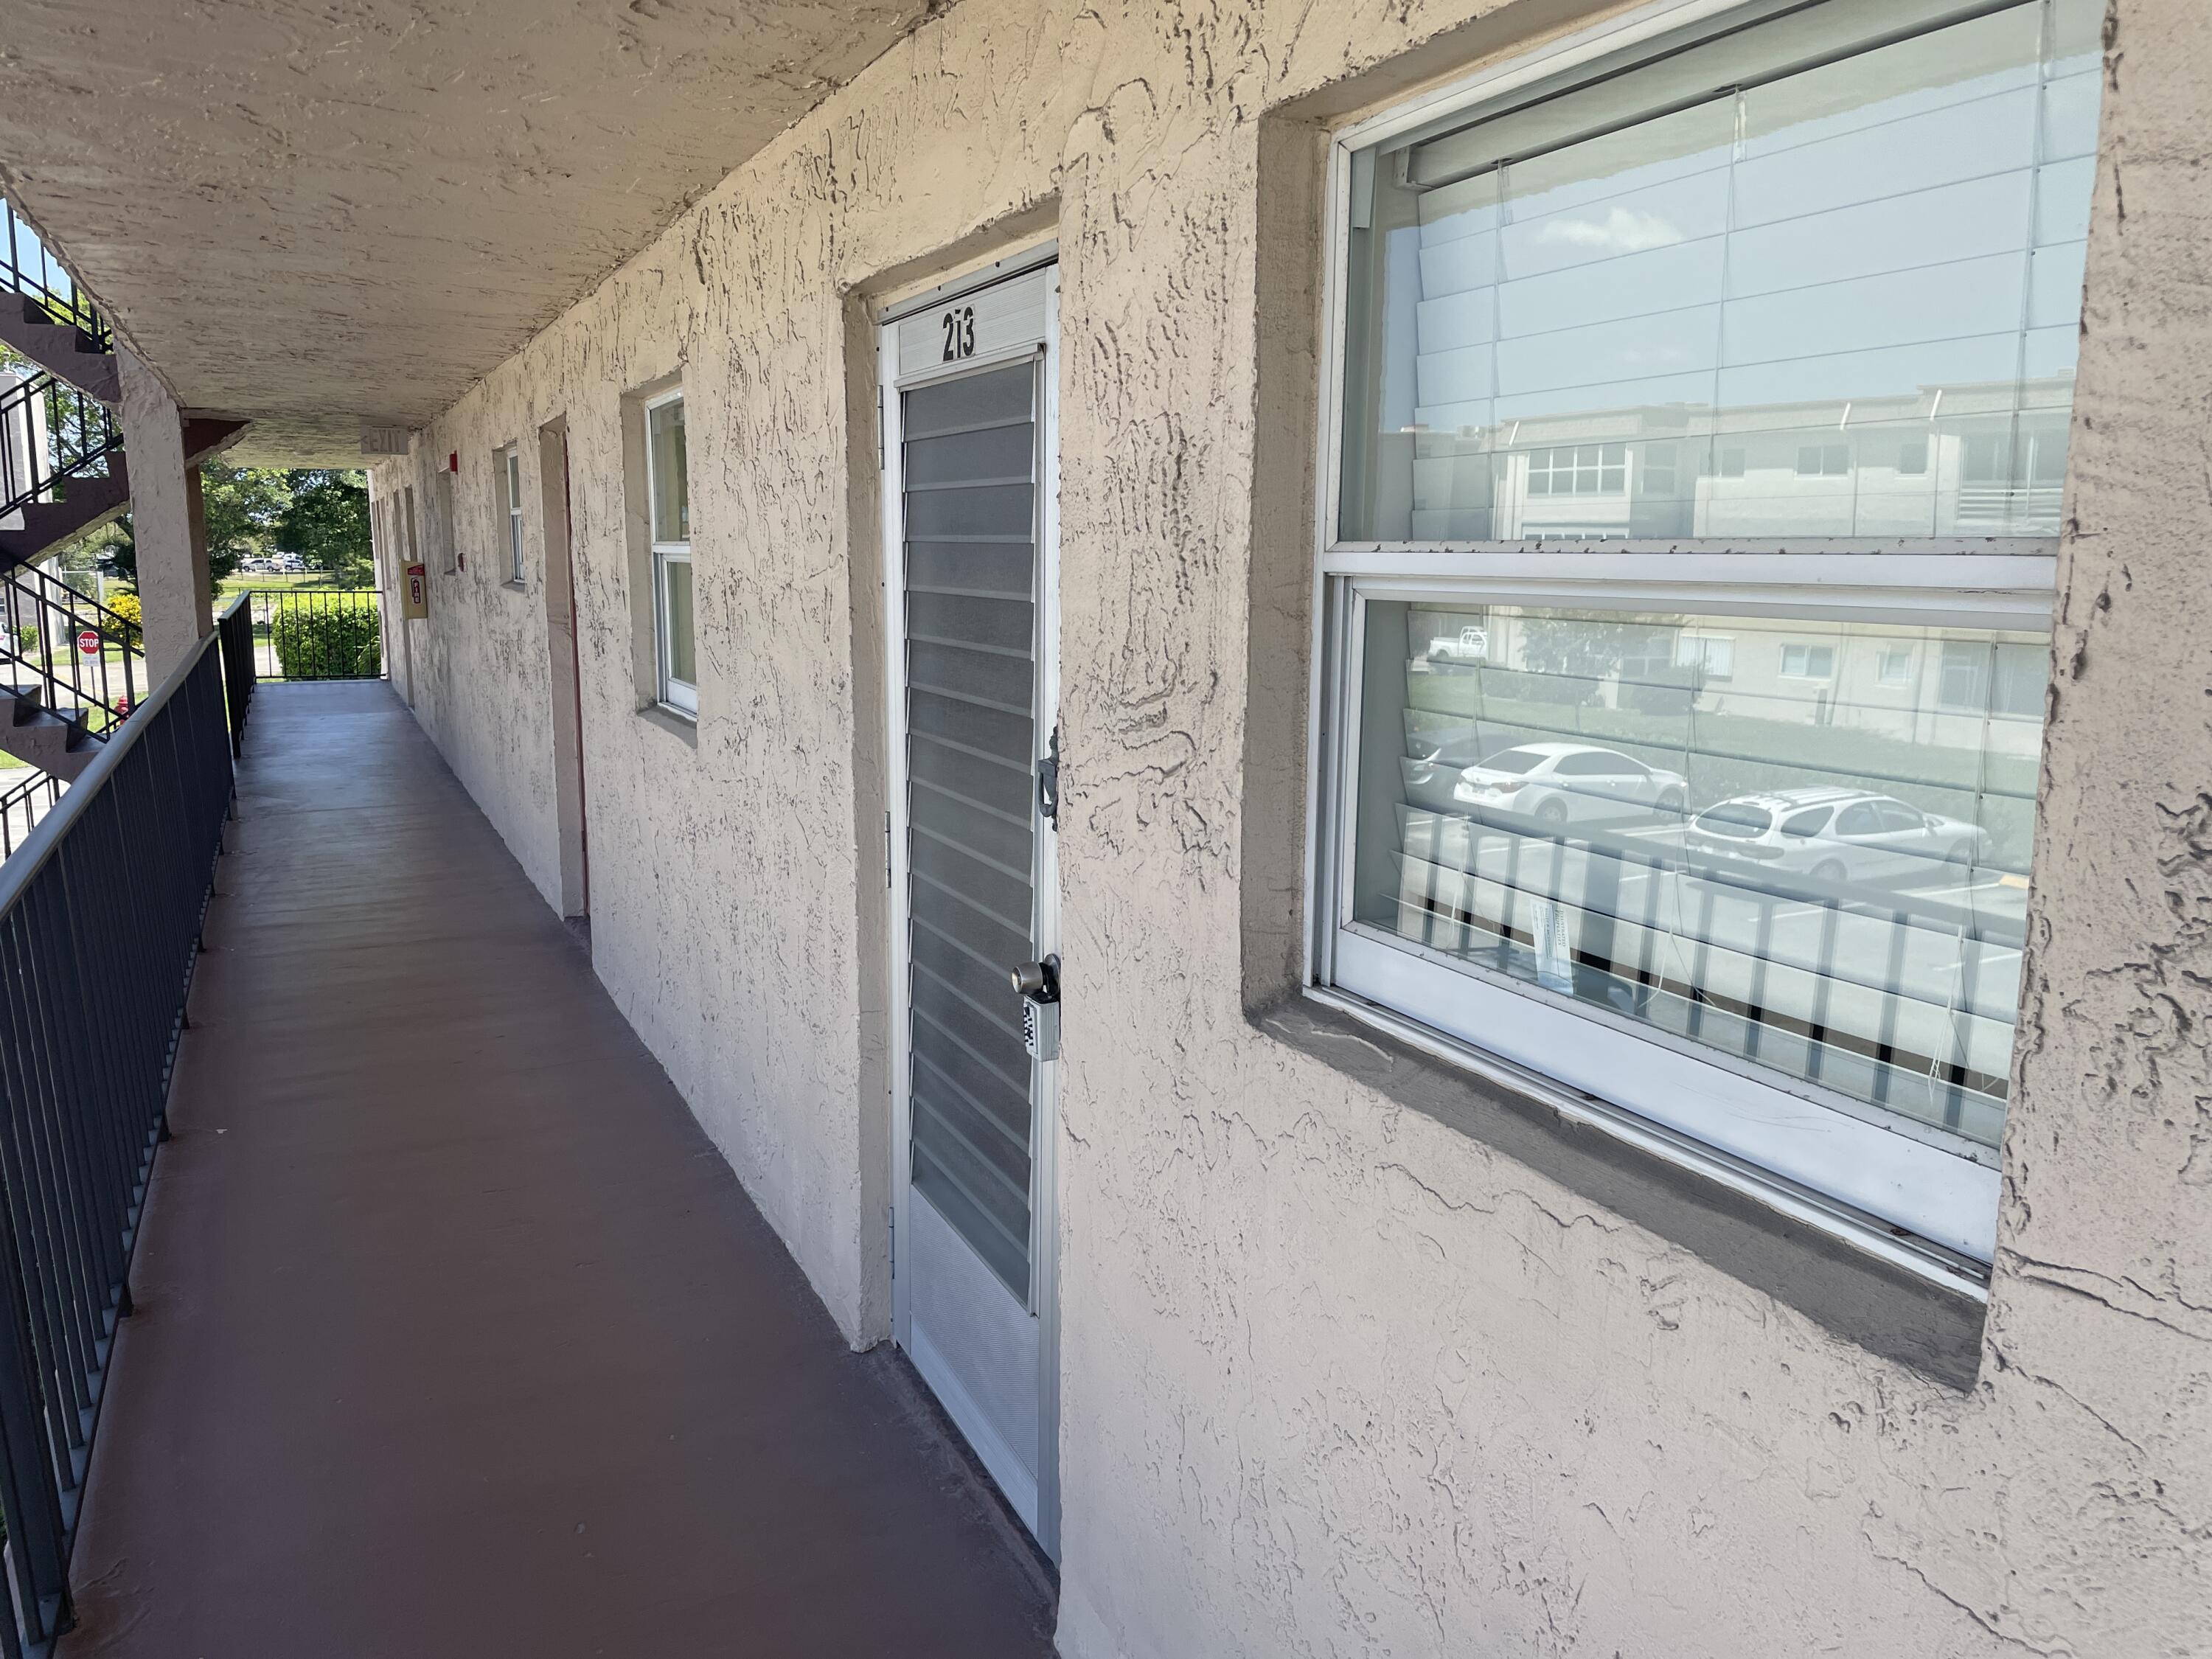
[1337,1380]
[317,214]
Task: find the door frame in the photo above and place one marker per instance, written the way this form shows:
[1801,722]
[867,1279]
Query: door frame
[1044,1230]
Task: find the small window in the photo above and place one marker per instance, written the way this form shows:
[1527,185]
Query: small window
[1858,819]
[1732,462]
[1805,825]
[1824,461]
[1912,458]
[1893,667]
[1897,815]
[667,471]
[1713,658]
[1808,662]
[510,490]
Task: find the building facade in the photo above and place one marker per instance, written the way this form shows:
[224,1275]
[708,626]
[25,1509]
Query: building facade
[1151,464]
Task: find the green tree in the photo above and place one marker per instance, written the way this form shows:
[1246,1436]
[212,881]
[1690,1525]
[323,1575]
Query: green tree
[243,505]
[326,524]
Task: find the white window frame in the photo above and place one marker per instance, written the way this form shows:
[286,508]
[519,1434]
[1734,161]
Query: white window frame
[1925,1199]
[510,489]
[680,696]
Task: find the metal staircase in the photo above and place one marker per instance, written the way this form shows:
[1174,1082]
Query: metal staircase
[58,700]
[62,465]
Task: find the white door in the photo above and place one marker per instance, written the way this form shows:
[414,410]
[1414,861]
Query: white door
[970,526]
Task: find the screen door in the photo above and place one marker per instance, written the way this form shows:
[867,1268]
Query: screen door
[968,447]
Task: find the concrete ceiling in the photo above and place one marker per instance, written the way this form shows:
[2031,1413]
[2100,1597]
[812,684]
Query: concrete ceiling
[319,212]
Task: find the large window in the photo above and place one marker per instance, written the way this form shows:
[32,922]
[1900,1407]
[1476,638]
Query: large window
[671,553]
[1700,382]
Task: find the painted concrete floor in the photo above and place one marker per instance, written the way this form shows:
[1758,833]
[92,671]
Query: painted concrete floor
[455,1335]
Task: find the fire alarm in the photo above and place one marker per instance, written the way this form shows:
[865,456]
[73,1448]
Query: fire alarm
[453,460]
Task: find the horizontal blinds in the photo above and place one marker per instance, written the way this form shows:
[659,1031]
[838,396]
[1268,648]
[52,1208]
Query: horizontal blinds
[968,482]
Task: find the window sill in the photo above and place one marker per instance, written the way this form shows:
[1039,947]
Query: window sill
[675,722]
[1913,1316]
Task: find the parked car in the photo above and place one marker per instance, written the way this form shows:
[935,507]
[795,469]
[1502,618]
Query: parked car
[1555,782]
[1835,834]
[1448,652]
[254,564]
[290,562]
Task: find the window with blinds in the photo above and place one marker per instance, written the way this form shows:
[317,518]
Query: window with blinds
[1706,393]
[1839,270]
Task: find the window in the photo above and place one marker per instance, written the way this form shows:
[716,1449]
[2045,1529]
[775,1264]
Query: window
[1584,470]
[2000,680]
[1627,845]
[1713,658]
[670,509]
[510,491]
[1808,662]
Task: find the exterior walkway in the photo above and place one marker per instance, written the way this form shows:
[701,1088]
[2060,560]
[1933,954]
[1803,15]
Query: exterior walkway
[455,1335]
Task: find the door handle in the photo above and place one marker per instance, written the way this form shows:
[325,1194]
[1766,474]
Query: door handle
[1038,981]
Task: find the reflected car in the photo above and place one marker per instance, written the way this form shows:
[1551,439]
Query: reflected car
[1556,782]
[1838,835]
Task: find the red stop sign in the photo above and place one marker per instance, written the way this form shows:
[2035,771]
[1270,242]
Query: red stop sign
[88,640]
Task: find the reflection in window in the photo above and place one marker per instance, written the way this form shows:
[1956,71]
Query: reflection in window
[1808,662]
[1769,274]
[1830,887]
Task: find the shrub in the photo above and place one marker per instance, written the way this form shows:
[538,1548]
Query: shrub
[314,643]
[27,637]
[127,608]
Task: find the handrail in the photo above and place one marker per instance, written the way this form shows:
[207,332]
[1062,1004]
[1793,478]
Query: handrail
[240,673]
[17,873]
[57,612]
[101,912]
[50,432]
[22,794]
[28,265]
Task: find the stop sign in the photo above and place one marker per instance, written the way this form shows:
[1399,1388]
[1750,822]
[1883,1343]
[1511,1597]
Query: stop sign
[88,640]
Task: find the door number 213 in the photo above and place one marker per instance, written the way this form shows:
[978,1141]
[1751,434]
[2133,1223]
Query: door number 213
[959,333]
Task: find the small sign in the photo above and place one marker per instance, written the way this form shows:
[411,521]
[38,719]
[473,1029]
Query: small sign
[416,602]
[384,439]
[88,640]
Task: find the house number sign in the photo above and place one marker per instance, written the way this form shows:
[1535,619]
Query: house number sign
[983,324]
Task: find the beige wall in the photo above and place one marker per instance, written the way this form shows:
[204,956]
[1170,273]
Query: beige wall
[1338,1379]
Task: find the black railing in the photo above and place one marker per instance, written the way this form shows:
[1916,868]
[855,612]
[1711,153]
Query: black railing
[101,913]
[45,627]
[50,432]
[235,625]
[317,632]
[23,802]
[31,270]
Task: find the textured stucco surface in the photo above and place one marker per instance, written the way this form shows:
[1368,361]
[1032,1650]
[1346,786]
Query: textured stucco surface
[1338,1380]
[318,213]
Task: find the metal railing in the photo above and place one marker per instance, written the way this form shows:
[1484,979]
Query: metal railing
[23,802]
[235,626]
[50,432]
[317,632]
[31,270]
[44,625]
[101,913]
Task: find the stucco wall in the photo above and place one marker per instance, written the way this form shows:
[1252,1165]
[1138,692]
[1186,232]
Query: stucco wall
[1337,1379]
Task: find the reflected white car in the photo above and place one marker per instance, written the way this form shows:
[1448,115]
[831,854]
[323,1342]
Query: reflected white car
[1557,782]
[1838,835]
